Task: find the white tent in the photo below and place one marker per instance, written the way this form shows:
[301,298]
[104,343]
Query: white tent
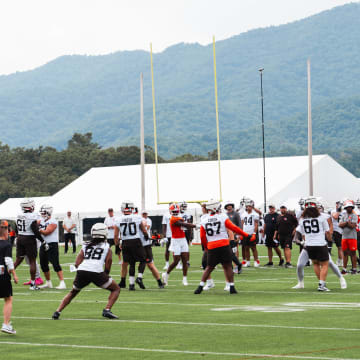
[10,208]
[287,178]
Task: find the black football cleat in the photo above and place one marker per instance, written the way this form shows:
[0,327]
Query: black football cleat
[233,290]
[198,290]
[122,284]
[140,283]
[108,314]
[132,287]
[56,315]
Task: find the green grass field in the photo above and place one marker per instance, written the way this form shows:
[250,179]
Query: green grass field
[266,319]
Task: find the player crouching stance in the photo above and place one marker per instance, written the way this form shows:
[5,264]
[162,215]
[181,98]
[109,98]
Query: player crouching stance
[214,237]
[90,268]
[315,227]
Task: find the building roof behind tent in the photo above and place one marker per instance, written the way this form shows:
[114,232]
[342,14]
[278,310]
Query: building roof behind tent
[101,188]
[10,208]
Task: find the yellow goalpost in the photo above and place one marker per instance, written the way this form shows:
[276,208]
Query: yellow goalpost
[155,132]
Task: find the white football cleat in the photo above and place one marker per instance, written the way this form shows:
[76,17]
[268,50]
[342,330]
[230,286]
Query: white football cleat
[299,285]
[227,287]
[165,277]
[166,267]
[209,286]
[47,285]
[179,266]
[61,286]
[185,282]
[8,329]
[257,263]
[343,283]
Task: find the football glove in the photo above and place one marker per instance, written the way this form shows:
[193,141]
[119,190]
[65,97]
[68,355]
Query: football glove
[72,268]
[45,246]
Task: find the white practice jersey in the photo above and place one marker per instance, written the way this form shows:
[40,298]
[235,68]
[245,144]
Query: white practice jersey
[94,257]
[314,230]
[142,237]
[24,221]
[129,226]
[298,214]
[54,236]
[249,221]
[110,221]
[214,226]
[336,226]
[166,221]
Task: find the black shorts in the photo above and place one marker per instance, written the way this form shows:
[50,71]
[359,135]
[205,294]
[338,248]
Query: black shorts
[221,255]
[148,254]
[319,253]
[133,251]
[111,242]
[52,256]
[269,241]
[246,241]
[337,239]
[5,286]
[285,241]
[26,245]
[84,278]
[69,236]
[233,245]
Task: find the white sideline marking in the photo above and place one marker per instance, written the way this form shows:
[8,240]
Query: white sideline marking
[192,323]
[174,351]
[296,306]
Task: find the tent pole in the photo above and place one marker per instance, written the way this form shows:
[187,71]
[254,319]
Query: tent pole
[142,142]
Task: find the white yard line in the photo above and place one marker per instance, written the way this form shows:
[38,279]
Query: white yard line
[194,323]
[173,351]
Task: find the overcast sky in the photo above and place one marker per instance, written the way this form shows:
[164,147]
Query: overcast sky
[33,32]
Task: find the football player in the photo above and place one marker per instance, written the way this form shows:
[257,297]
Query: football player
[250,223]
[337,233]
[48,229]
[28,232]
[357,212]
[303,259]
[110,223]
[129,226]
[179,245]
[147,244]
[166,232]
[90,269]
[315,229]
[187,217]
[214,237]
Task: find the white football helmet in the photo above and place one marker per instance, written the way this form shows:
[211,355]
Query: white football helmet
[27,205]
[311,202]
[46,210]
[99,231]
[183,205]
[249,202]
[213,205]
[127,206]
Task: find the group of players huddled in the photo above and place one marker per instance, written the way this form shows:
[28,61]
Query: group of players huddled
[221,232]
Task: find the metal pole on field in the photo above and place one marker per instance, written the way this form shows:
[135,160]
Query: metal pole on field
[142,142]
[263,133]
[311,185]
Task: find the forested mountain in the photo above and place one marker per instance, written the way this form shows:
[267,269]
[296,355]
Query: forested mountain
[100,94]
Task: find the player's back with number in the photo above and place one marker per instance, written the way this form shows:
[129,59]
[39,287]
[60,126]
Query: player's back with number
[314,230]
[215,229]
[24,221]
[129,226]
[94,257]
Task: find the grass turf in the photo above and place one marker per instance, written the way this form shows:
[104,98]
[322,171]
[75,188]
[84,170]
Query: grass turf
[266,318]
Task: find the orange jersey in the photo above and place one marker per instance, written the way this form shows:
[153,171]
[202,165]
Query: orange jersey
[176,231]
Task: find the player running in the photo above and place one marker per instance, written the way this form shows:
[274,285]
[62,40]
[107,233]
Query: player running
[214,237]
[90,269]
